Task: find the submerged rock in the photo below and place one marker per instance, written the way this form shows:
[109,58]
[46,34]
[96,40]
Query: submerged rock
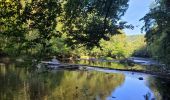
[113,97]
[55,61]
[53,64]
[140,78]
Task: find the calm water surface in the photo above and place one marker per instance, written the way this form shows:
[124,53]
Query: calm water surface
[22,83]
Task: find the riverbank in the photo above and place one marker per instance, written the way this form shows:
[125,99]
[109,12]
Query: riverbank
[134,64]
[83,67]
[136,60]
[156,73]
[142,65]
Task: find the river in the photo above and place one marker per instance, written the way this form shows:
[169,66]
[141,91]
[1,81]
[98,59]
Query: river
[18,81]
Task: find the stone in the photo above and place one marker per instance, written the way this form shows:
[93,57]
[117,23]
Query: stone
[140,78]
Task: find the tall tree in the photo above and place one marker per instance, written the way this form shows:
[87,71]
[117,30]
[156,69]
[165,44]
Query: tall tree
[157,27]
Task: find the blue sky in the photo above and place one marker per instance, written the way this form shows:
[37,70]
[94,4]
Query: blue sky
[137,9]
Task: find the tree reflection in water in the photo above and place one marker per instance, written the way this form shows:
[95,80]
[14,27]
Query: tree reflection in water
[86,85]
[20,84]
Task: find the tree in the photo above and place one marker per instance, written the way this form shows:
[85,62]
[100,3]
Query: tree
[115,47]
[157,27]
[21,19]
[89,21]
[29,24]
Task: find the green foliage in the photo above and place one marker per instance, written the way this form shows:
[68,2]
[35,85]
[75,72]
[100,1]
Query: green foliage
[72,28]
[59,47]
[157,27]
[119,46]
[137,46]
[28,24]
[34,27]
[87,22]
[115,47]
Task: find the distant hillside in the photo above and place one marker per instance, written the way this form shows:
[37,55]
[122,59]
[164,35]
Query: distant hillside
[136,44]
[133,38]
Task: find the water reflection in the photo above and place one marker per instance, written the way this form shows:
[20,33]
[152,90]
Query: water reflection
[18,83]
[87,85]
[160,87]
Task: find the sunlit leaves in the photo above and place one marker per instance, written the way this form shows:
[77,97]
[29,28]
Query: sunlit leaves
[32,35]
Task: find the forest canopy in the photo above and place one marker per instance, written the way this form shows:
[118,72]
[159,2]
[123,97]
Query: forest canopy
[36,26]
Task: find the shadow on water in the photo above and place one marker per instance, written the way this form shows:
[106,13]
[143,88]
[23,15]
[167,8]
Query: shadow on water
[161,87]
[19,83]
